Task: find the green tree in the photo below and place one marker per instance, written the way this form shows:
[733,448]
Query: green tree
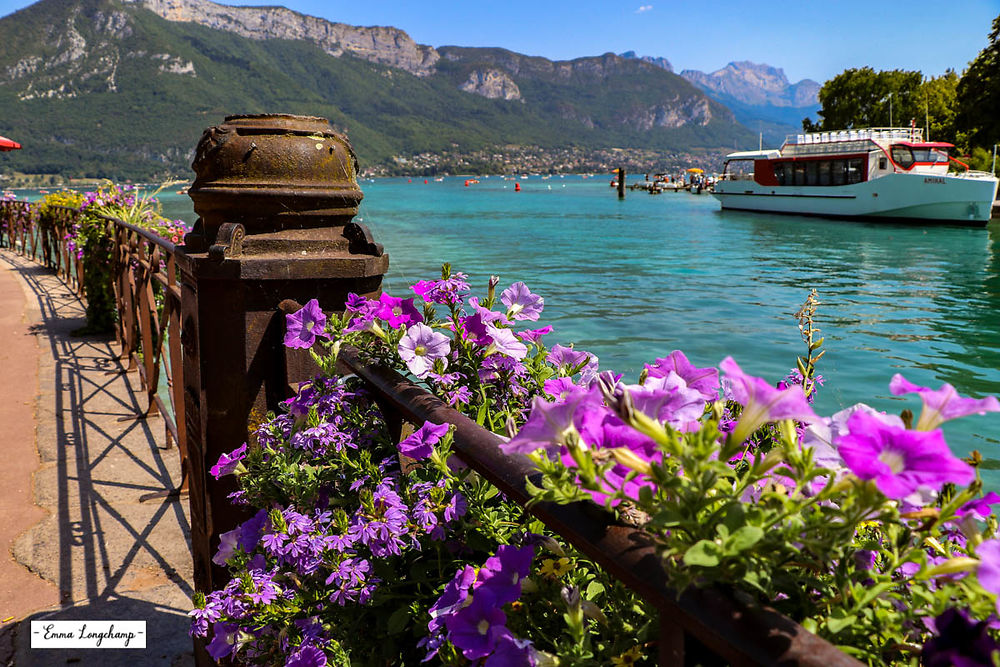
[978,95]
[858,98]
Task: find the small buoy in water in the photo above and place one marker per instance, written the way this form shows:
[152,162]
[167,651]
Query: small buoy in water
[466,184]
[517,187]
[425,181]
[409,180]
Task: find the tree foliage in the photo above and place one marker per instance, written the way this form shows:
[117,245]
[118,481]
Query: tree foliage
[858,98]
[978,95]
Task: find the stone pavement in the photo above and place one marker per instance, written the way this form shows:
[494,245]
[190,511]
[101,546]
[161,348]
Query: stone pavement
[80,545]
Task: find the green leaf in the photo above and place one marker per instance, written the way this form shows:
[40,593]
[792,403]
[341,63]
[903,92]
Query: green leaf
[704,554]
[593,590]
[744,538]
[399,620]
[836,624]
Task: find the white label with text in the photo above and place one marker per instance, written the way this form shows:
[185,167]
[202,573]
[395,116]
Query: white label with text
[88,634]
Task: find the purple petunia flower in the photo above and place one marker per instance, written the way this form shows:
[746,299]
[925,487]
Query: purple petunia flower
[307,656]
[453,598]
[511,652]
[943,404]
[228,462]
[988,572]
[534,335]
[302,328]
[703,380]
[762,403]
[475,629]
[521,303]
[421,346]
[959,642]
[506,343]
[899,460]
[568,359]
[548,424]
[398,312]
[419,445]
[224,640]
[502,573]
[980,506]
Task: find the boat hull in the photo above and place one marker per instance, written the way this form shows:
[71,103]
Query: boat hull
[899,197]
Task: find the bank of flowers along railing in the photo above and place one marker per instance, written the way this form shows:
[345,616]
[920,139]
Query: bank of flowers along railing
[141,276]
[728,507]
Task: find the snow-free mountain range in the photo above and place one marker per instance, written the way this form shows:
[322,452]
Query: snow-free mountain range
[124,88]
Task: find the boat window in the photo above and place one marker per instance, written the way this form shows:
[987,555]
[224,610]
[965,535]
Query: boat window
[800,173]
[839,172]
[811,178]
[931,155]
[780,171]
[903,156]
[854,174]
[882,163]
[824,168]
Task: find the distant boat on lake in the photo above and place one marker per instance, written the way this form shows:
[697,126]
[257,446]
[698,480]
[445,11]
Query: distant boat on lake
[881,173]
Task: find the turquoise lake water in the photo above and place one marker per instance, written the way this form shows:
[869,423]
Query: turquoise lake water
[632,280]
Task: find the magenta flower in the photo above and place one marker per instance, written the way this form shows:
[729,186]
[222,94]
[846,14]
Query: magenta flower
[988,572]
[476,628]
[761,402]
[398,312]
[703,380]
[506,343]
[419,445]
[669,400]
[227,462]
[568,359]
[979,506]
[421,346]
[534,335]
[899,460]
[521,303]
[943,404]
[302,328]
[548,424]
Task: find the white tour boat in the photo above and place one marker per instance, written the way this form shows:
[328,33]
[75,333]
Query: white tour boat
[879,173]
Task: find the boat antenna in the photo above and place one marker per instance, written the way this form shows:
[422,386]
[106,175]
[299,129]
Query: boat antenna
[760,141]
[890,109]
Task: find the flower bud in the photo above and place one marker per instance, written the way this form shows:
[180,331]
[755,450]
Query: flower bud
[630,460]
[953,566]
[593,612]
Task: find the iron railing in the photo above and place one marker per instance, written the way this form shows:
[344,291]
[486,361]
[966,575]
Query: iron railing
[147,296]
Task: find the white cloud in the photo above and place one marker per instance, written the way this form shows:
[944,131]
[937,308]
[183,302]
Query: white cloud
[643,8]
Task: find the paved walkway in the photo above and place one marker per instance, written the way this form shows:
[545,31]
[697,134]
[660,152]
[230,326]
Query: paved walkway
[79,543]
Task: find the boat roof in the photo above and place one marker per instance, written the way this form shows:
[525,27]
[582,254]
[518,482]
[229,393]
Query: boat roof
[925,144]
[771,154]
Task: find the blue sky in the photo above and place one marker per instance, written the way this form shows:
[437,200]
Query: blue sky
[807,38]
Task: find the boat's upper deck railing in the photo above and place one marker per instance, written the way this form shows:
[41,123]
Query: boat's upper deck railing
[914,134]
[848,141]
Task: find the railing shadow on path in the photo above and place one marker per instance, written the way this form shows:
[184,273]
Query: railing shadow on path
[112,556]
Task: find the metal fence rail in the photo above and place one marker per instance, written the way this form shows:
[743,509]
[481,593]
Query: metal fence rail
[147,296]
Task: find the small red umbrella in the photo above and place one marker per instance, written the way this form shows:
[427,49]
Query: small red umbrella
[8,144]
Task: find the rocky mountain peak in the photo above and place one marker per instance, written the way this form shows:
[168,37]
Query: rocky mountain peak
[756,83]
[652,60]
[384,45]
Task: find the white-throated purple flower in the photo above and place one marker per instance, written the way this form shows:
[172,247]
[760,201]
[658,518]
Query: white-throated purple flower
[303,327]
[505,342]
[900,461]
[569,360]
[942,404]
[521,303]
[398,312]
[475,628]
[419,445]
[421,346]
[762,403]
[228,463]
[703,380]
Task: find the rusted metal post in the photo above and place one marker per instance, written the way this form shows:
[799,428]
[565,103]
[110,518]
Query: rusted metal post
[275,194]
[621,182]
